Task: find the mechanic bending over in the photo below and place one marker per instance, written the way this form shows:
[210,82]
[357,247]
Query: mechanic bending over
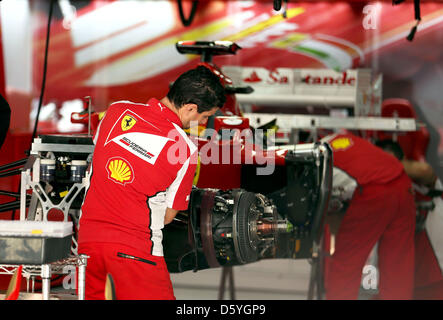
[419,171]
[428,284]
[381,209]
[135,188]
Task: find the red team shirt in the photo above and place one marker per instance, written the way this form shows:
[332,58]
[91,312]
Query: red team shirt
[381,211]
[362,161]
[143,162]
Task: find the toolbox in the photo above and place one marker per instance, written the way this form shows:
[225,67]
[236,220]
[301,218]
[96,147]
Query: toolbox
[34,242]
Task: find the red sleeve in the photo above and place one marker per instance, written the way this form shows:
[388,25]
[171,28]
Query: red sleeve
[177,195]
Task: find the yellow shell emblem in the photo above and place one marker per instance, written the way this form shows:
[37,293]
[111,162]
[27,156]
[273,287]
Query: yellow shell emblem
[341,143]
[196,131]
[128,122]
[120,171]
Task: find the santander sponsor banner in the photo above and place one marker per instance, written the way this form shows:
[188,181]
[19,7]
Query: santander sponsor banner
[294,81]
[325,82]
[279,80]
[342,79]
[351,88]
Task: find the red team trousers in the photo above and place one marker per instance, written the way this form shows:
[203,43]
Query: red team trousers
[133,280]
[385,214]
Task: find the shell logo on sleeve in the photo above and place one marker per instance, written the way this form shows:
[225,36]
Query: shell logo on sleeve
[120,171]
[341,143]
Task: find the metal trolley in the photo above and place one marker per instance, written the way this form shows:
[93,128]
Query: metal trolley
[62,193]
[45,271]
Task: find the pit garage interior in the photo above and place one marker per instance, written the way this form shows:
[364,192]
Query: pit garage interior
[293,71]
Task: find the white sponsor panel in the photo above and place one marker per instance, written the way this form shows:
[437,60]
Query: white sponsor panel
[325,82]
[280,80]
[352,88]
[143,145]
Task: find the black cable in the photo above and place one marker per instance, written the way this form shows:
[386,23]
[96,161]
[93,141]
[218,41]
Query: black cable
[13,164]
[417,10]
[45,66]
[9,194]
[12,205]
[42,90]
[417,15]
[10,172]
[187,21]
[277,5]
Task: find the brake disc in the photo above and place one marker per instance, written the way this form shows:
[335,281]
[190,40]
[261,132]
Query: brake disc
[245,215]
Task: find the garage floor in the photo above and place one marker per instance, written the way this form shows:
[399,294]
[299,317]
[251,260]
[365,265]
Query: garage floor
[277,279]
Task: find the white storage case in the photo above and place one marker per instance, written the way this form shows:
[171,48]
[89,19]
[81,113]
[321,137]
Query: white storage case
[34,242]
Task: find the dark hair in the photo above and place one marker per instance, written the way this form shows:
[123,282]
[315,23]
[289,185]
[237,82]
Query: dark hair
[199,86]
[391,146]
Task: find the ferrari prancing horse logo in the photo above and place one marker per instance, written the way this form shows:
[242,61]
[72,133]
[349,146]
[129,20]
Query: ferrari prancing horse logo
[128,122]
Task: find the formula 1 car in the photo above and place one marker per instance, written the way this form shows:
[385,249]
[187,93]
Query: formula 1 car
[237,215]
[266,202]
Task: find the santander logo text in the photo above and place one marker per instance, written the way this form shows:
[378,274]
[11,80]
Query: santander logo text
[273,77]
[343,79]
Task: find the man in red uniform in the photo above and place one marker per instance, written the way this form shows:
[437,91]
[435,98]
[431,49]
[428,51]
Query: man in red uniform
[141,176]
[381,209]
[428,274]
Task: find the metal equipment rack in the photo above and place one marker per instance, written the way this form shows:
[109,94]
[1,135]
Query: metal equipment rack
[32,181]
[45,271]
[41,204]
[290,124]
